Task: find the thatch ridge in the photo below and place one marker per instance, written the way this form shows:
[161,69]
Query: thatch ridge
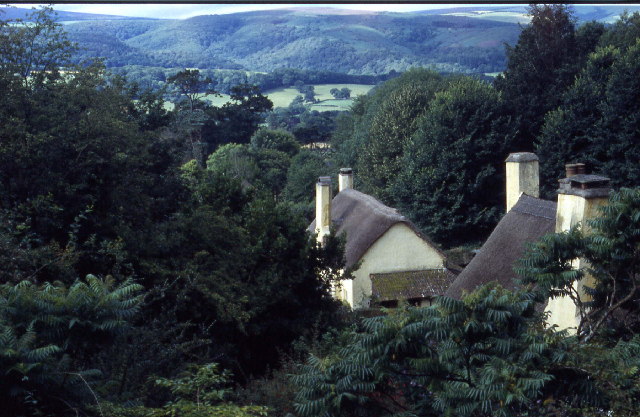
[528,220]
[364,219]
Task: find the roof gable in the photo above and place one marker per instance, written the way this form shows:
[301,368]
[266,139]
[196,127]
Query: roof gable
[364,220]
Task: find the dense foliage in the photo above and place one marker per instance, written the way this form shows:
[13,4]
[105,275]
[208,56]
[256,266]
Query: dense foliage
[485,355]
[422,142]
[97,179]
[596,121]
[453,160]
[48,335]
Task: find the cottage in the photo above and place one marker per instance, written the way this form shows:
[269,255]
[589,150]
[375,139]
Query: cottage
[528,218]
[395,261]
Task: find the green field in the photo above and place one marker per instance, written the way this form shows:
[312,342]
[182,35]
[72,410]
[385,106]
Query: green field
[282,97]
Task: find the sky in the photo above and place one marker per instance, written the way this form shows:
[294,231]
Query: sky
[185,10]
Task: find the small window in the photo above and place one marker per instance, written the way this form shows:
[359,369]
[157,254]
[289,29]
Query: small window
[388,304]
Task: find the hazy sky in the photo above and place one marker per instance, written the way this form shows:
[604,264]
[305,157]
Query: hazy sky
[183,11]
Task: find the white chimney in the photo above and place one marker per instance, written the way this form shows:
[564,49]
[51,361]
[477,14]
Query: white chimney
[323,207]
[579,197]
[522,176]
[345,179]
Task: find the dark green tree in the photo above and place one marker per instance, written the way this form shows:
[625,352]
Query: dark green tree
[303,173]
[446,179]
[237,120]
[314,126]
[243,271]
[261,168]
[597,122]
[388,120]
[278,140]
[309,94]
[540,67]
[624,32]
[340,93]
[190,85]
[485,355]
[34,51]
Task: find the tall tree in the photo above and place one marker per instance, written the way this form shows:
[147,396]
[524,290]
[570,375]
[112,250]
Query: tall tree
[597,122]
[445,180]
[191,85]
[237,120]
[35,50]
[539,68]
[388,120]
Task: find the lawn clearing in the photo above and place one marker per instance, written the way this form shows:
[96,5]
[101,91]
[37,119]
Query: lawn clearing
[282,97]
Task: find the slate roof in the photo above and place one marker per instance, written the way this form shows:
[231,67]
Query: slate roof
[410,284]
[527,221]
[364,219]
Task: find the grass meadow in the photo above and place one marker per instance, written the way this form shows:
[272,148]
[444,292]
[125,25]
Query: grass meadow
[282,97]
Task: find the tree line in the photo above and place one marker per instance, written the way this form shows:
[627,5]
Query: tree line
[222,80]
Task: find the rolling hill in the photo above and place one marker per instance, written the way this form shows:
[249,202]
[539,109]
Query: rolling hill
[461,39]
[371,43]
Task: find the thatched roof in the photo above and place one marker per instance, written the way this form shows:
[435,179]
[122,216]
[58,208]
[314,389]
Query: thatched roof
[410,284]
[527,221]
[364,219]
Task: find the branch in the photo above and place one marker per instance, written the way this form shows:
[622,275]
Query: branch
[613,308]
[402,407]
[444,378]
[90,390]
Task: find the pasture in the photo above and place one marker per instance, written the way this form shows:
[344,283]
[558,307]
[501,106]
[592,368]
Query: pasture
[282,97]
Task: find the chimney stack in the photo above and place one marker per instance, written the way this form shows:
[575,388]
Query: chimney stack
[323,207]
[522,176]
[579,197]
[345,179]
[575,169]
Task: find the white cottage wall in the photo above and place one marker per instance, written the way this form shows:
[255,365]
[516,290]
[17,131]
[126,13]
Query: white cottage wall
[398,249]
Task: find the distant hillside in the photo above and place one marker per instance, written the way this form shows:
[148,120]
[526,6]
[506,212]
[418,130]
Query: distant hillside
[61,16]
[372,43]
[462,39]
[517,13]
